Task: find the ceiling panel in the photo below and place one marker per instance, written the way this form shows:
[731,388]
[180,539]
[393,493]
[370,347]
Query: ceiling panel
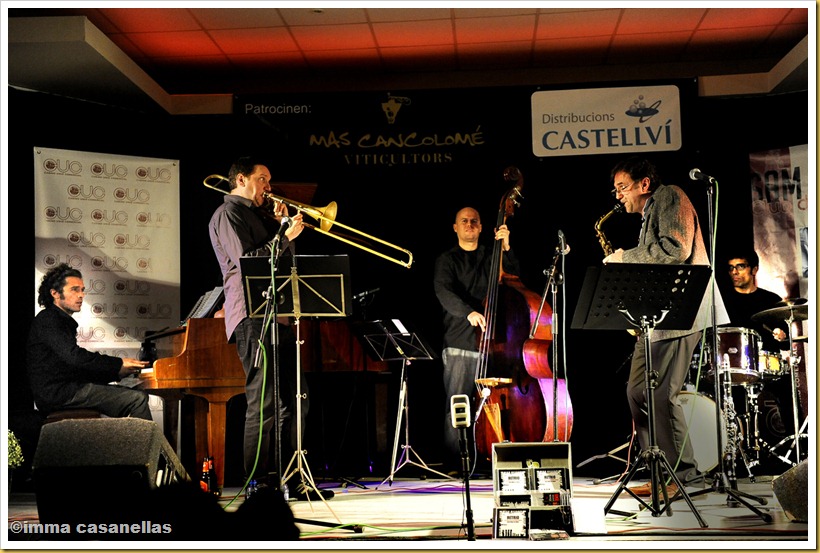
[201,50]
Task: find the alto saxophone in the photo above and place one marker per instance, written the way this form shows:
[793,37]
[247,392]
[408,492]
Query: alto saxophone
[605,244]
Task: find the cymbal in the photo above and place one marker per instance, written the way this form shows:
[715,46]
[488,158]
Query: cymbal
[794,312]
[800,339]
[791,301]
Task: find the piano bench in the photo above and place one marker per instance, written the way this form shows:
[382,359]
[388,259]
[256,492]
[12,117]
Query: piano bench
[64,414]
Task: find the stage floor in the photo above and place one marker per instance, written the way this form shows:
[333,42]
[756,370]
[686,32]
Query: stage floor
[434,509]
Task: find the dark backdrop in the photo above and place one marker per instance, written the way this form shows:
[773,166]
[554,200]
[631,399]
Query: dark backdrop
[413,206]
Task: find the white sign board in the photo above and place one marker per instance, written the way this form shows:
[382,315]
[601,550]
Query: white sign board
[606,121]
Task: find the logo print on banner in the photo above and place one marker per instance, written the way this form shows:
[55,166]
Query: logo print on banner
[85,192]
[56,167]
[128,287]
[114,310]
[105,263]
[392,106]
[156,174]
[81,239]
[91,334]
[94,286]
[63,215]
[132,242]
[641,110]
[103,171]
[132,195]
[52,260]
[160,310]
[104,217]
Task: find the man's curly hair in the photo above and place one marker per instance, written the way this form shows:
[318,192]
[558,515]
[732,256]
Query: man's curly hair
[55,279]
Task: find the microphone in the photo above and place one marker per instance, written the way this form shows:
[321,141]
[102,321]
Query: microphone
[284,225]
[460,411]
[485,393]
[362,295]
[563,248]
[695,174]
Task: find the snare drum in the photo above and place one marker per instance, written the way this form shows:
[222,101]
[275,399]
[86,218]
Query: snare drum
[738,349]
[772,365]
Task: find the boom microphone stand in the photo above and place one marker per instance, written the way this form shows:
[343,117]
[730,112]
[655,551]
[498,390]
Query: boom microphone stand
[724,482]
[555,278]
[324,291]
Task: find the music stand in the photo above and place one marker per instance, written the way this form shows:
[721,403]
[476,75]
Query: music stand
[620,296]
[319,288]
[391,341]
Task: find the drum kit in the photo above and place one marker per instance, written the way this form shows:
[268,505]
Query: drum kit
[745,370]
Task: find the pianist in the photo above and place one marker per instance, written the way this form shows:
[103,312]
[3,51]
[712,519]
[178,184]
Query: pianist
[239,227]
[61,373]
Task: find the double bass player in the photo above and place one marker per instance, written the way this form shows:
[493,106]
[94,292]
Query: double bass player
[460,280]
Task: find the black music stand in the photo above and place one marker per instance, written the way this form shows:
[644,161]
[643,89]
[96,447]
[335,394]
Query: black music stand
[304,285]
[391,341]
[620,296]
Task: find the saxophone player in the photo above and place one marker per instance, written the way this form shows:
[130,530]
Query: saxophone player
[670,233]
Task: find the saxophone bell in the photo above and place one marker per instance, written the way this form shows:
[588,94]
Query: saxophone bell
[605,244]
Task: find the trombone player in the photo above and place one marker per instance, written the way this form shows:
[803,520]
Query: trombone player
[239,227]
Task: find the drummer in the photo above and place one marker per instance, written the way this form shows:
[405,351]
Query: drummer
[748,300]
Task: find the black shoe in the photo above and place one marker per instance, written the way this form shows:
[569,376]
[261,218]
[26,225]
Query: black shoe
[305,493]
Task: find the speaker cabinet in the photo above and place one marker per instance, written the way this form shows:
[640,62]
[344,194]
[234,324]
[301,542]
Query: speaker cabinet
[100,470]
[792,491]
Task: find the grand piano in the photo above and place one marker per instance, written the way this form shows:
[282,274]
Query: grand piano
[196,359]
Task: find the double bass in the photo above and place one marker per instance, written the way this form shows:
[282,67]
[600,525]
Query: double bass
[515,383]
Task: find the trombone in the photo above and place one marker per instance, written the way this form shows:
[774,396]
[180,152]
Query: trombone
[326,216]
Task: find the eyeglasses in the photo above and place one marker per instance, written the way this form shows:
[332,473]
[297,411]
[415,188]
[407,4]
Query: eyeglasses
[621,189]
[738,267]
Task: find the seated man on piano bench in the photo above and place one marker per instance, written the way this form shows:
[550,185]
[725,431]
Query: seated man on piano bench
[64,375]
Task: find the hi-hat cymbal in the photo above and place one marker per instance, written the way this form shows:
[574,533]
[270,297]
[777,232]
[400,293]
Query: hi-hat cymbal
[791,301]
[794,312]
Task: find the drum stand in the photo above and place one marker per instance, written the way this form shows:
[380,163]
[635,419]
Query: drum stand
[794,310]
[797,436]
[794,363]
[734,434]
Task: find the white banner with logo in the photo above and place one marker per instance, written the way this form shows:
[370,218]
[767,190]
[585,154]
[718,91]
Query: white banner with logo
[606,121]
[781,184]
[116,219]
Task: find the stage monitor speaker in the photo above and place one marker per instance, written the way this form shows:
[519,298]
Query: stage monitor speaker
[792,491]
[100,470]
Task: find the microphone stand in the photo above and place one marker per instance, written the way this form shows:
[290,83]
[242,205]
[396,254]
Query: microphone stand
[270,317]
[554,278]
[722,481]
[465,468]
